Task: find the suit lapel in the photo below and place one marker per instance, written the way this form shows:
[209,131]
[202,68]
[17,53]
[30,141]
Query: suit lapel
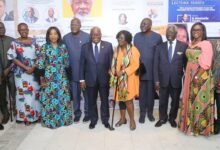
[91,52]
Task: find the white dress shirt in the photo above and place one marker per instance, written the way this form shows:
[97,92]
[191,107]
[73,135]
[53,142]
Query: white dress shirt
[173,46]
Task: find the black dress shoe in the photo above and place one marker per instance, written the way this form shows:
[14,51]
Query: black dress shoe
[107,125]
[160,123]
[92,125]
[1,127]
[5,118]
[151,118]
[142,119]
[86,119]
[173,123]
[76,119]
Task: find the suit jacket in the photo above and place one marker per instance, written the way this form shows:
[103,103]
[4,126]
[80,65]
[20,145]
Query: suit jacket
[8,17]
[164,71]
[74,44]
[92,71]
[31,20]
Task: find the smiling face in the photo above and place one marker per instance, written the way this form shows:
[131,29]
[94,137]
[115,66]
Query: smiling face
[96,35]
[81,7]
[23,30]
[121,40]
[197,32]
[171,33]
[75,26]
[53,36]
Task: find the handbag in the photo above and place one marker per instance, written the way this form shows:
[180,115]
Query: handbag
[38,73]
[141,70]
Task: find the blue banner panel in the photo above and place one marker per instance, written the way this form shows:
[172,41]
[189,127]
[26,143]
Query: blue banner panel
[194,11]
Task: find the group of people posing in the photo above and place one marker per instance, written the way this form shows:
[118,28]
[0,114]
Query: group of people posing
[48,77]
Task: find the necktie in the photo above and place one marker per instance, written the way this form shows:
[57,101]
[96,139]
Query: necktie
[170,52]
[96,53]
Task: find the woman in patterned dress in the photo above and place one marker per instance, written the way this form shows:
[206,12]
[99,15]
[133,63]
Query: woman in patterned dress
[56,109]
[22,52]
[197,109]
[216,75]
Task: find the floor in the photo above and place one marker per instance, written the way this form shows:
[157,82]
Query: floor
[80,137]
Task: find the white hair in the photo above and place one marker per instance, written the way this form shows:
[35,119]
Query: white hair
[71,1]
[172,27]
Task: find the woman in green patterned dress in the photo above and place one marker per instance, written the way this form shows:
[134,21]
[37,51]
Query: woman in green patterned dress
[197,109]
[56,109]
[216,75]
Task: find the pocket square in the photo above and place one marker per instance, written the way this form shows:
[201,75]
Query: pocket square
[179,53]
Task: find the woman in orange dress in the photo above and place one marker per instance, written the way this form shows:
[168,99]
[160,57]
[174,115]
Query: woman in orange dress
[124,78]
[197,110]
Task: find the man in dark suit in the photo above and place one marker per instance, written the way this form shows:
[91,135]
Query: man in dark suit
[169,63]
[6,76]
[146,41]
[95,63]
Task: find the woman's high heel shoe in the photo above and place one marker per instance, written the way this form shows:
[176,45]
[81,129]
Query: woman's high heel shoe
[120,122]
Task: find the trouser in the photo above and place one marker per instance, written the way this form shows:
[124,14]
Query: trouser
[146,97]
[76,95]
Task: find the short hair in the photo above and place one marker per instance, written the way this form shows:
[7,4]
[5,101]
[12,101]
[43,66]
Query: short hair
[172,27]
[77,19]
[204,36]
[21,24]
[71,1]
[127,34]
[59,41]
[147,19]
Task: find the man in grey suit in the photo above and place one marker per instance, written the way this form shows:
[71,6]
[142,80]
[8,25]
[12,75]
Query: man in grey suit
[95,64]
[74,41]
[169,63]
[146,41]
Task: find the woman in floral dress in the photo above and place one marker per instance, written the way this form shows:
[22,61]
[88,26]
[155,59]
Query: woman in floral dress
[22,52]
[56,108]
[197,110]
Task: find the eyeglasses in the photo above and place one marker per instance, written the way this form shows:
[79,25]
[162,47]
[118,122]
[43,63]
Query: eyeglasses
[196,30]
[121,38]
